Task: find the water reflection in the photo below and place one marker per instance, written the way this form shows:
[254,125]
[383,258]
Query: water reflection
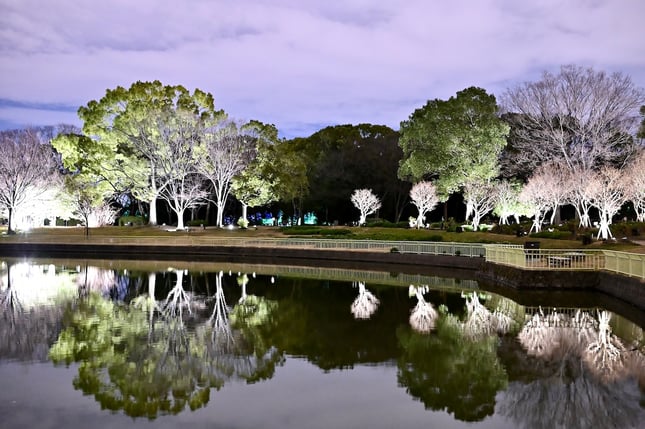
[155,343]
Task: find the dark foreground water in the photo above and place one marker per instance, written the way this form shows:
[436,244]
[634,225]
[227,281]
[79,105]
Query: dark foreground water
[110,344]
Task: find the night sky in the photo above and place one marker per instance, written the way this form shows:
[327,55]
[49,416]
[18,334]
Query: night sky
[302,64]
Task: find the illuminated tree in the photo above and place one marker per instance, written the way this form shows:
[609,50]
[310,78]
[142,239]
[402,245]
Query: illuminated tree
[123,143]
[366,202]
[507,201]
[225,151]
[536,197]
[178,135]
[634,176]
[480,198]
[606,190]
[27,168]
[253,185]
[424,197]
[455,141]
[579,196]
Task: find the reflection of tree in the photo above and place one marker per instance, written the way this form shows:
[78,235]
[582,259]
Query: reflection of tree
[232,344]
[559,388]
[605,355]
[481,322]
[365,303]
[448,372]
[126,364]
[145,360]
[423,316]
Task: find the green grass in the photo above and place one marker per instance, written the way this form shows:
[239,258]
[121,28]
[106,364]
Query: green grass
[356,233]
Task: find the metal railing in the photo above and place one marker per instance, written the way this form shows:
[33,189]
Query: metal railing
[630,264]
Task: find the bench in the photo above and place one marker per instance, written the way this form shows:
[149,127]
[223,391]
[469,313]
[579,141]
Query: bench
[559,261]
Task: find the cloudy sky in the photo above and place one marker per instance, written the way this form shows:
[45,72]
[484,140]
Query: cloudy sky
[302,64]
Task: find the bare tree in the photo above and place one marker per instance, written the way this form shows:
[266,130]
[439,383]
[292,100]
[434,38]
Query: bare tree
[536,200]
[365,201]
[226,151]
[553,176]
[480,200]
[26,168]
[606,189]
[578,183]
[424,197]
[580,116]
[634,176]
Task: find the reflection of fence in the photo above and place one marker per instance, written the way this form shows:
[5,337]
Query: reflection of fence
[630,264]
[376,277]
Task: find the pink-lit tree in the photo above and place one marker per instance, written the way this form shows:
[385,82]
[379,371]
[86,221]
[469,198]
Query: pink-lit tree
[424,197]
[635,184]
[365,201]
[536,200]
[606,189]
[578,182]
[553,176]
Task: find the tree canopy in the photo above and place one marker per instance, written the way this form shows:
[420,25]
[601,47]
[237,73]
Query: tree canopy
[454,141]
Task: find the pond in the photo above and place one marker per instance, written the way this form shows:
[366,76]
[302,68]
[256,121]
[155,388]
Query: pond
[161,344]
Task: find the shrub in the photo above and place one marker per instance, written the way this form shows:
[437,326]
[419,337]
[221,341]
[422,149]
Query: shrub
[555,234]
[197,222]
[131,220]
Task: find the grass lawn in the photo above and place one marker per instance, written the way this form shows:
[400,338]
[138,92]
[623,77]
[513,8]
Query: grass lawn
[347,233]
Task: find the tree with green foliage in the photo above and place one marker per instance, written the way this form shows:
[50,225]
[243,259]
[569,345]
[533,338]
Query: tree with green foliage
[121,141]
[342,158]
[253,186]
[287,171]
[453,142]
[447,371]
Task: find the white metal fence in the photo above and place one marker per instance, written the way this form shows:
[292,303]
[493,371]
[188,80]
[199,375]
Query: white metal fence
[630,264]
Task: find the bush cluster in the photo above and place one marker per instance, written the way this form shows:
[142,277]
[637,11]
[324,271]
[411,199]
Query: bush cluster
[131,221]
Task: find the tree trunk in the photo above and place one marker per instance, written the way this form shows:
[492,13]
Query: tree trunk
[10,221]
[152,220]
[244,209]
[180,219]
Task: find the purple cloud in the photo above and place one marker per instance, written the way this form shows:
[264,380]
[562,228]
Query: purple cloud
[304,62]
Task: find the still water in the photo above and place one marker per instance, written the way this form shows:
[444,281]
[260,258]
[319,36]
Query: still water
[113,344]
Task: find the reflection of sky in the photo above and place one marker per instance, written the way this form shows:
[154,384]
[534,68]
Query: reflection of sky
[299,396]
